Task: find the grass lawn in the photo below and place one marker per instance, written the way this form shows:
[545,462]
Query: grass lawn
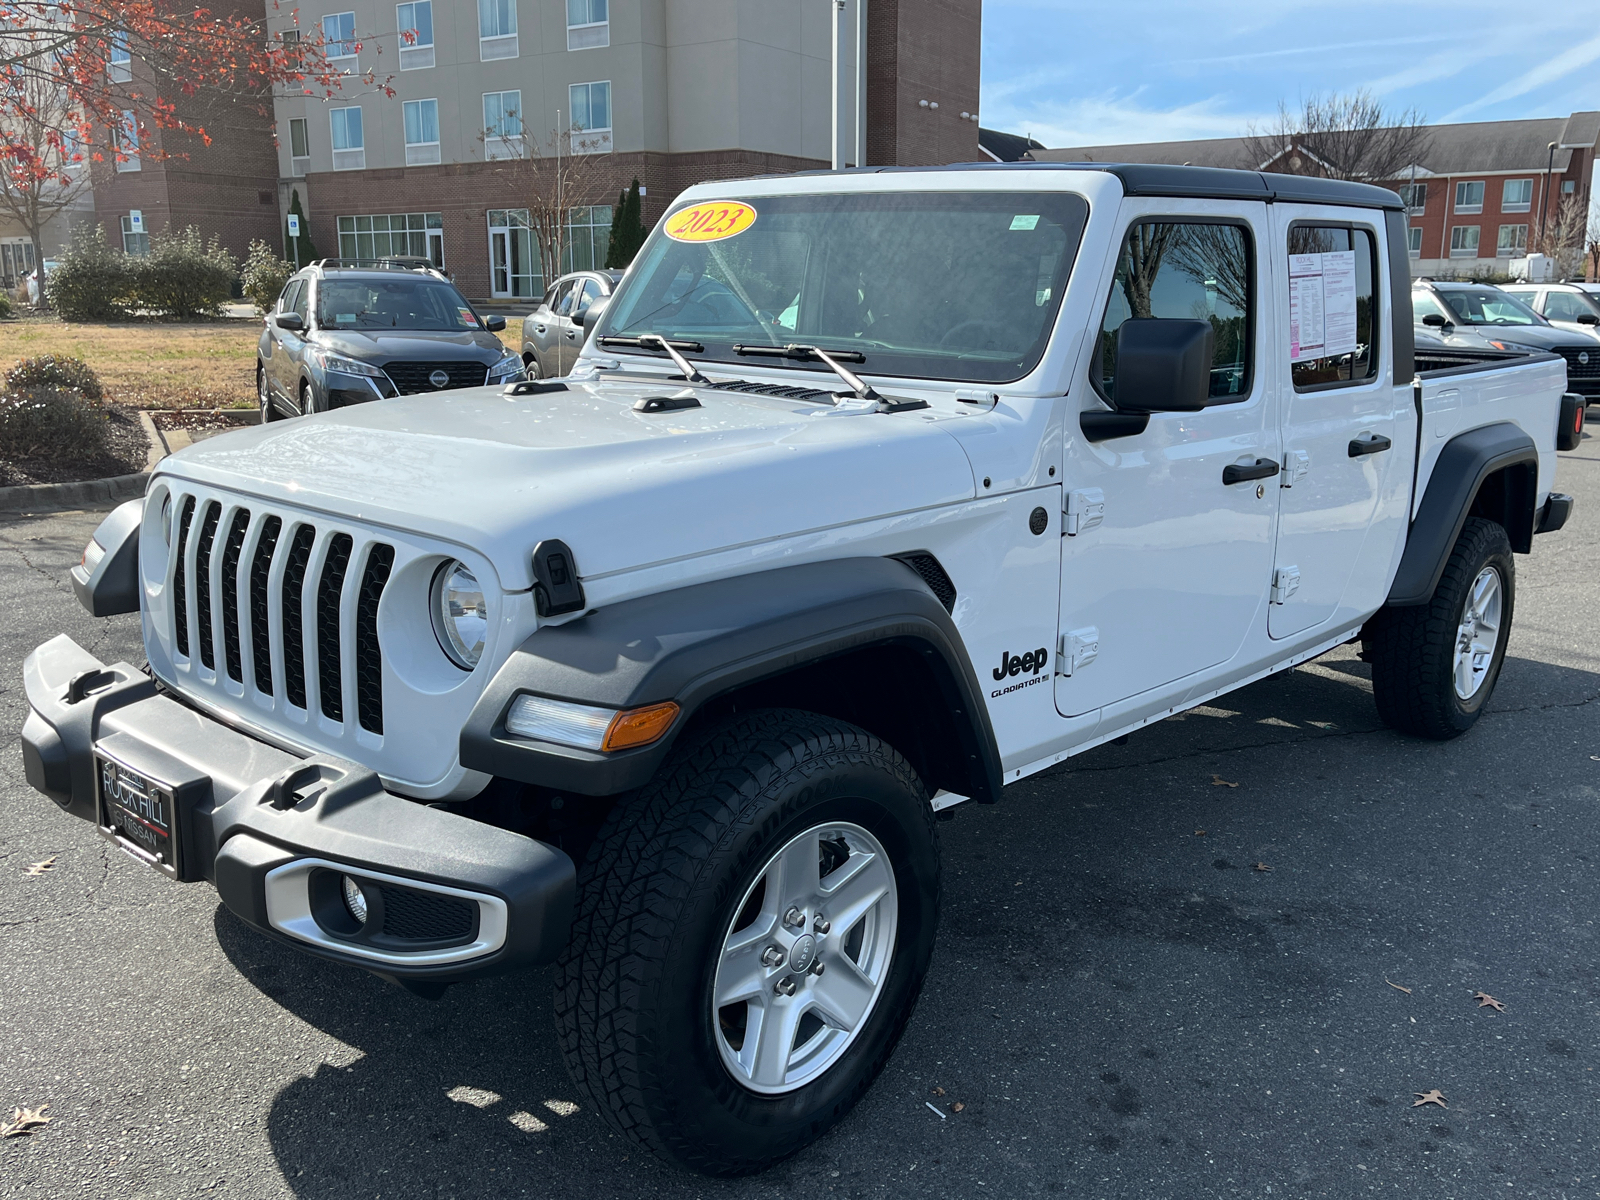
[152,364]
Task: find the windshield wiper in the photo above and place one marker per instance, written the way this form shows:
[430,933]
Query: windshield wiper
[817,354]
[654,341]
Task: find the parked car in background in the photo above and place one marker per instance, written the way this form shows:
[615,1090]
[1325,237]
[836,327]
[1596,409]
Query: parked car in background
[1570,306]
[551,338]
[344,335]
[1480,316]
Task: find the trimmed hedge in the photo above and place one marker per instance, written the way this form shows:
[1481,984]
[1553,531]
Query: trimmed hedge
[50,423]
[182,276]
[51,371]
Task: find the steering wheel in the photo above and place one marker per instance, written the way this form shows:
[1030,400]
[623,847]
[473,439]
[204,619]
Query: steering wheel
[977,323]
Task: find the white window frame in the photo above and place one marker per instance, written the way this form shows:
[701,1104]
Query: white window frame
[420,154]
[502,144]
[299,164]
[1469,208]
[1465,251]
[497,45]
[1516,206]
[350,158]
[595,139]
[128,142]
[1414,241]
[119,62]
[345,61]
[1409,193]
[1503,251]
[1569,187]
[418,55]
[590,34]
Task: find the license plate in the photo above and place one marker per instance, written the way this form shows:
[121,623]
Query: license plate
[139,813]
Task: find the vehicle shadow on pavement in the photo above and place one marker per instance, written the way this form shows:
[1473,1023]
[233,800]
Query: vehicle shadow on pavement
[467,1095]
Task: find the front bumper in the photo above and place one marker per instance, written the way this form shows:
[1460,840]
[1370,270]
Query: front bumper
[450,897]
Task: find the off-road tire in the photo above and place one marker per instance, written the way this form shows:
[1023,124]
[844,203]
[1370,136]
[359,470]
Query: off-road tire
[655,898]
[1412,649]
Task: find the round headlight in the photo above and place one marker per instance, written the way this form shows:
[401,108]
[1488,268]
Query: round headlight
[460,616]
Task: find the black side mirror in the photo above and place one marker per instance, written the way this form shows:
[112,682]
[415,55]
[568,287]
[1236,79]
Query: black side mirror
[494,324]
[1435,320]
[292,321]
[1588,319]
[586,316]
[1164,365]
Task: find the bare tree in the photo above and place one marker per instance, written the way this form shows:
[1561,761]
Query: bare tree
[1591,240]
[1565,235]
[552,176]
[33,199]
[1339,137]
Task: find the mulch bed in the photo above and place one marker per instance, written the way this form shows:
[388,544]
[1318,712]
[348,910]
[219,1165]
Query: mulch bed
[127,448]
[217,419]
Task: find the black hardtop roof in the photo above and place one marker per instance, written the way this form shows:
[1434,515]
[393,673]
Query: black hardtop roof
[1203,183]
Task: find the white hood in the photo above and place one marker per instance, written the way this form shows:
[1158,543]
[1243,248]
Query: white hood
[623,489]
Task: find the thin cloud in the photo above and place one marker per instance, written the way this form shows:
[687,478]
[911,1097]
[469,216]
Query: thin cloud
[1113,120]
[1558,67]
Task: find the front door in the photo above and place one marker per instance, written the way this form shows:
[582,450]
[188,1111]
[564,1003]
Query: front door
[512,267]
[584,293]
[1340,517]
[1168,569]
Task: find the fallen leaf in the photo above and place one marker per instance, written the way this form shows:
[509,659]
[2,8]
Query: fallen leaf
[1219,781]
[24,1121]
[938,1091]
[1199,833]
[1262,867]
[1433,1097]
[39,868]
[1396,986]
[957,1106]
[1487,1001]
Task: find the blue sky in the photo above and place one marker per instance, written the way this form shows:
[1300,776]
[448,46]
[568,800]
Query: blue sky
[1080,72]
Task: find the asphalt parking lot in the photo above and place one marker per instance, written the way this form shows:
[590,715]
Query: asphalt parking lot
[1120,1003]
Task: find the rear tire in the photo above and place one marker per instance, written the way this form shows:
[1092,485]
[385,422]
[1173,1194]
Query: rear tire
[1434,665]
[687,888]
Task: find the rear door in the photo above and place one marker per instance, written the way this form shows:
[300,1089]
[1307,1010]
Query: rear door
[1165,570]
[1342,513]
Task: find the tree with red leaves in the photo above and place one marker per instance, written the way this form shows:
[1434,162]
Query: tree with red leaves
[69,70]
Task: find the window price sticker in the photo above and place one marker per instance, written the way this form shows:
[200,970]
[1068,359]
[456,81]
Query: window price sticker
[1322,304]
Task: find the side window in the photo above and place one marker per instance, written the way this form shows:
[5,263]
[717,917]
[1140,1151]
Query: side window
[563,304]
[302,300]
[1333,316]
[1183,270]
[290,291]
[1424,305]
[1562,306]
[591,293]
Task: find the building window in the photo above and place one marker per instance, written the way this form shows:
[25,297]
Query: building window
[415,235]
[497,29]
[349,146]
[422,132]
[299,146]
[119,63]
[1414,241]
[588,24]
[1516,195]
[1415,196]
[1469,196]
[1513,241]
[415,20]
[339,39]
[127,139]
[588,236]
[1569,186]
[134,243]
[502,124]
[591,117]
[1464,241]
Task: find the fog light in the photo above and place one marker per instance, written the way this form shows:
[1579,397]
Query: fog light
[355,900]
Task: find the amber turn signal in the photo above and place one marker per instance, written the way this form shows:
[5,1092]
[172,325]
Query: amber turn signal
[639,726]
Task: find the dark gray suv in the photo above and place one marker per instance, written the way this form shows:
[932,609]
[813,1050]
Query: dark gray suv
[346,332]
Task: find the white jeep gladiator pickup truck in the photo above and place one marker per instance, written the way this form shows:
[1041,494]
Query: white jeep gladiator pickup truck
[872,492]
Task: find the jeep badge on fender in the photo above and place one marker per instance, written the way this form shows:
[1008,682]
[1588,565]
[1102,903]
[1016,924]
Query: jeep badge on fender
[1033,662]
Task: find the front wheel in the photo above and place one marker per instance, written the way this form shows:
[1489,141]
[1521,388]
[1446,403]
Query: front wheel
[1434,665]
[269,410]
[753,930]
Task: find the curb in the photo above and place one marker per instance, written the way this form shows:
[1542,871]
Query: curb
[27,498]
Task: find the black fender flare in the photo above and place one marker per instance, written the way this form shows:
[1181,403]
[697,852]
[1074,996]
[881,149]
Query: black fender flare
[1466,461]
[696,643]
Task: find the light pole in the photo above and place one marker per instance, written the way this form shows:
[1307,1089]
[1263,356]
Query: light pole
[1544,200]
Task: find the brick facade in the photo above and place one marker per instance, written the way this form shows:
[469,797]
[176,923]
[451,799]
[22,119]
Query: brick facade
[923,52]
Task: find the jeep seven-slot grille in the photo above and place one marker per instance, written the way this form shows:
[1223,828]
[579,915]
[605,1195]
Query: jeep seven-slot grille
[281,583]
[412,377]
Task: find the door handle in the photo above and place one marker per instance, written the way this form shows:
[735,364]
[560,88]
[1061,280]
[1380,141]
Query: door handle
[538,328]
[1262,468]
[1372,443]
[571,334]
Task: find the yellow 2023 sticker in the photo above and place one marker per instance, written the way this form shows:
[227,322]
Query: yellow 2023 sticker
[710,222]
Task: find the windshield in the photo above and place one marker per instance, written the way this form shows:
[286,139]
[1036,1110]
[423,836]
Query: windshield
[1488,306]
[961,286]
[404,303]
